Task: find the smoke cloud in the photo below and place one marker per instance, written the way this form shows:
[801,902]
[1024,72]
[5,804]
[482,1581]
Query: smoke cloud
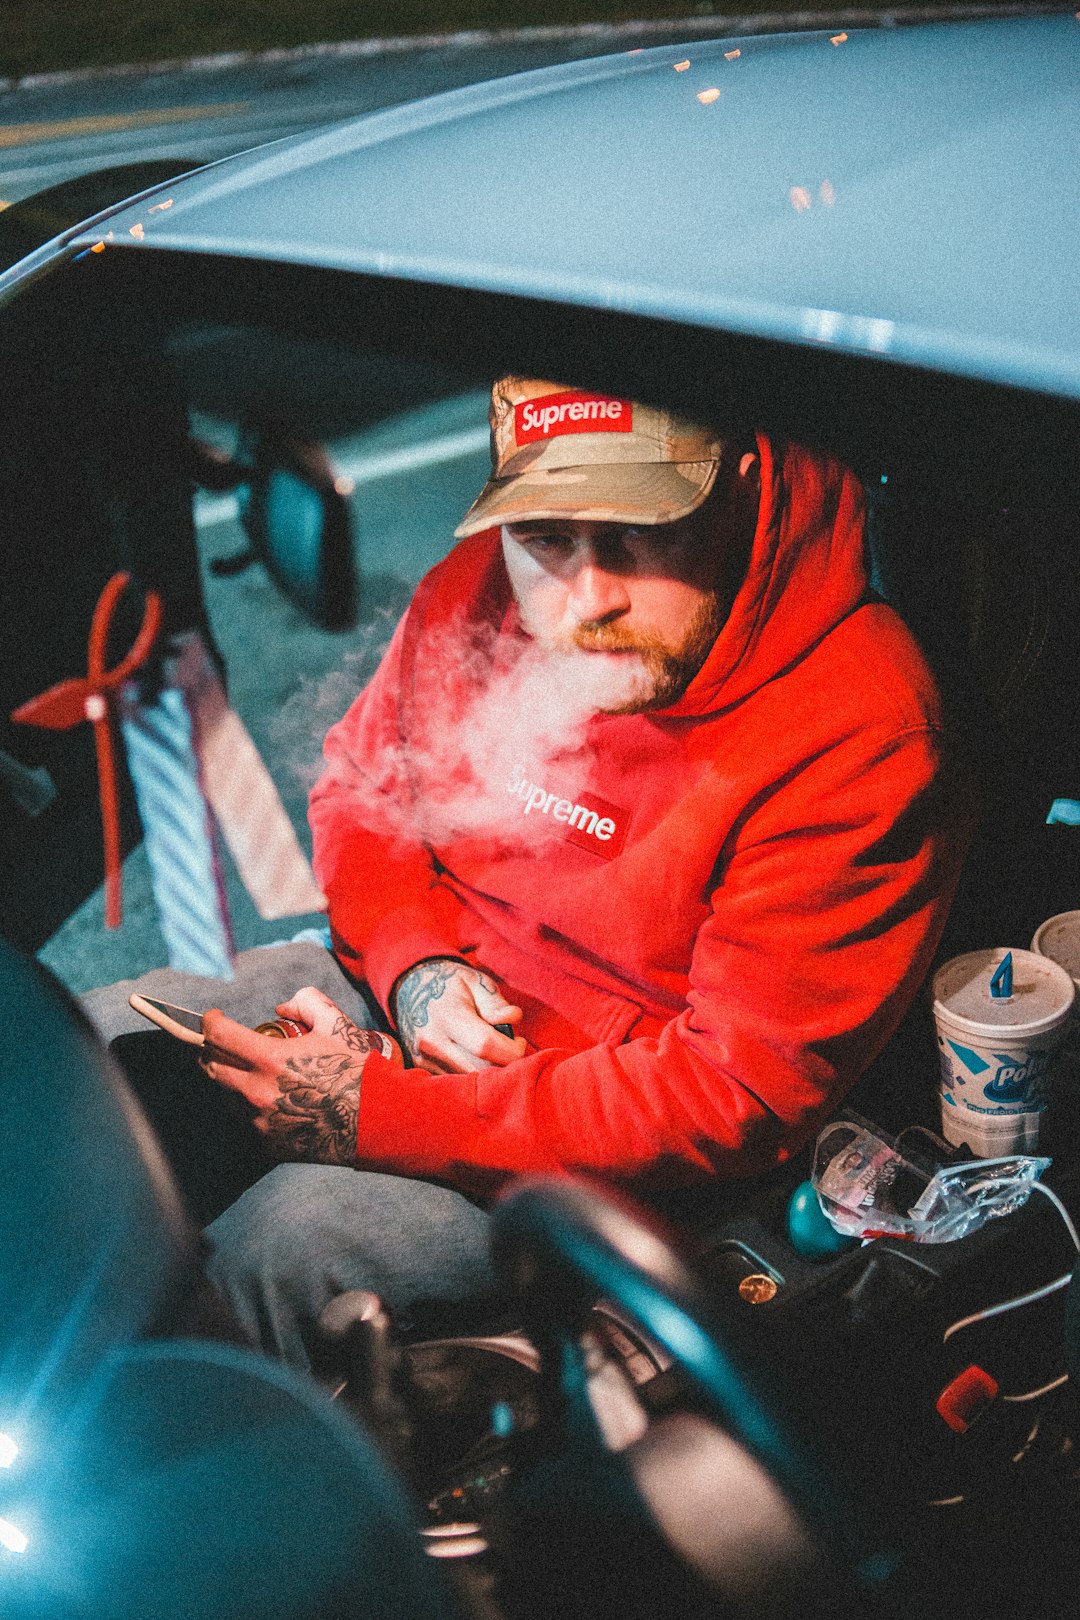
[522,734]
[321,699]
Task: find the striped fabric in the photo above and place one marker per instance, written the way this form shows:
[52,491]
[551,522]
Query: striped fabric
[179,833]
[196,770]
[241,791]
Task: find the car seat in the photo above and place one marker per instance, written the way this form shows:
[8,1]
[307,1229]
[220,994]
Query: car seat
[990,594]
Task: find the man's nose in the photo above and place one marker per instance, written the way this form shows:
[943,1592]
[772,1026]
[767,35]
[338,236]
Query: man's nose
[596,593]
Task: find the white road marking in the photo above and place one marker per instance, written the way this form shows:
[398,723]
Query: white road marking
[369,469]
[210,510]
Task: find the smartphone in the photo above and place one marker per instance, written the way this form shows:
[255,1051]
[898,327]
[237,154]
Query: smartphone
[179,1021]
[187,1025]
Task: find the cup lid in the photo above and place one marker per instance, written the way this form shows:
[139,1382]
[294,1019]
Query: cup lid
[1059,939]
[1042,994]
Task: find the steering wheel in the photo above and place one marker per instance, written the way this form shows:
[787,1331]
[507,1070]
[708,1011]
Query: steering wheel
[732,1485]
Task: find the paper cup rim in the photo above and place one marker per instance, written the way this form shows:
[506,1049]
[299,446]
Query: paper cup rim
[998,1033]
[1001,1034]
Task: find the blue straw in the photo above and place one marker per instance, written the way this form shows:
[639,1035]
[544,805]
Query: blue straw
[1001,983]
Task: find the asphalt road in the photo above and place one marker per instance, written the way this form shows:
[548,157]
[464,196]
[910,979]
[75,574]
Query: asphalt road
[53,132]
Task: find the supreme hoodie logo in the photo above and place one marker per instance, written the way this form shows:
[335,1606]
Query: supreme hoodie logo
[589,822]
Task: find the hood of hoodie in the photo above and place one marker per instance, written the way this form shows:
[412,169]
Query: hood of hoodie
[807,572]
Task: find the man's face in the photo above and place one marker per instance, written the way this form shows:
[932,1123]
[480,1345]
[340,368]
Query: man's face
[640,606]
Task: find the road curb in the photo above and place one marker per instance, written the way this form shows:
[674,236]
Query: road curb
[752,23]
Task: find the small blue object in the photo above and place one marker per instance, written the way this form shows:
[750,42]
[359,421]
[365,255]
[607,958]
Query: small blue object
[877,1568]
[810,1230]
[1064,813]
[1001,983]
[502,1419]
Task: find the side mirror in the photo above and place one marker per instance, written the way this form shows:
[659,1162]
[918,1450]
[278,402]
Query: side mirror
[296,515]
[294,509]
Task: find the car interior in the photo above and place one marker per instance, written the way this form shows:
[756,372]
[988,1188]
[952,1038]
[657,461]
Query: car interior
[690,1410]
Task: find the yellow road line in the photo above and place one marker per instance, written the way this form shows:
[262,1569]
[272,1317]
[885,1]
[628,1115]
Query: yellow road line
[30,134]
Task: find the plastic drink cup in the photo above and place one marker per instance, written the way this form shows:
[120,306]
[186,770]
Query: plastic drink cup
[998,1053]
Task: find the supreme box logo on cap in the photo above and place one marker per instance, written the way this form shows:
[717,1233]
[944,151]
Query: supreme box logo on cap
[556,414]
[562,452]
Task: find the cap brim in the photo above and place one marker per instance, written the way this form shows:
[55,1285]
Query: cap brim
[616,492]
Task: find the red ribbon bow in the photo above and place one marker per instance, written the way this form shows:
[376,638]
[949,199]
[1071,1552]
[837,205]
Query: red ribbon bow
[93,697]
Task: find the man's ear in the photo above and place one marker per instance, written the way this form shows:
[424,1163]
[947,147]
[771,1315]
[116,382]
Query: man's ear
[750,468]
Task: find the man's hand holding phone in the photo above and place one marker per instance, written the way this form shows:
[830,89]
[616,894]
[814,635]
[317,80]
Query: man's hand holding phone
[306,1090]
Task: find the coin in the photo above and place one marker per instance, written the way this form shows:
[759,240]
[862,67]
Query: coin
[757,1288]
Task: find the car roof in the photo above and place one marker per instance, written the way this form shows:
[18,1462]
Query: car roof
[908,193]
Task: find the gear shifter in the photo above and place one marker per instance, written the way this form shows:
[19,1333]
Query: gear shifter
[356,1332]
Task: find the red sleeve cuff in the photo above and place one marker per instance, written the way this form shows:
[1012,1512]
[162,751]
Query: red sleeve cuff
[416,1123]
[399,941]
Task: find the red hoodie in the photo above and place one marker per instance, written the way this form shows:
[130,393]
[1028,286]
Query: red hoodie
[713,915]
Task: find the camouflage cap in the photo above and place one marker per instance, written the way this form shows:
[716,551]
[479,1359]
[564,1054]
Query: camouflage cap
[558,452]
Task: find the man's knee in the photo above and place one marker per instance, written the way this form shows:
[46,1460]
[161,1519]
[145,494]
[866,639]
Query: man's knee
[305,1233]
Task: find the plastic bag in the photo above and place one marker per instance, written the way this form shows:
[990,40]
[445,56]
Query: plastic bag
[867,1188]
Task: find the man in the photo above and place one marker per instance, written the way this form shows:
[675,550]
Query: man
[642,836]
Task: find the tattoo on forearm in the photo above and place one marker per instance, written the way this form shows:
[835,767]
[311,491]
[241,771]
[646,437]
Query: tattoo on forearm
[315,1118]
[416,992]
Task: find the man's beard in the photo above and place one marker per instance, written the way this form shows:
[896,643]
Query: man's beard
[657,676]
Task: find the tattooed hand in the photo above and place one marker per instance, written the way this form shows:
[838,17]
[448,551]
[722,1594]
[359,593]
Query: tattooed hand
[305,1092]
[315,1115]
[446,1012]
